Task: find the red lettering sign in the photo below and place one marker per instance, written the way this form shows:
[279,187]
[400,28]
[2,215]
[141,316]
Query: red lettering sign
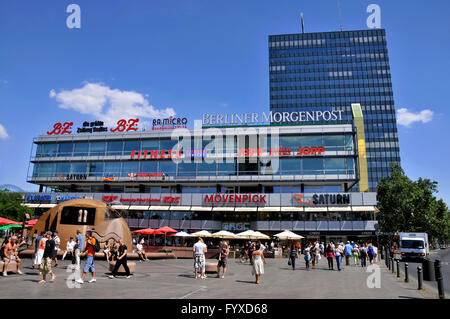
[171,199]
[124,126]
[109,198]
[60,129]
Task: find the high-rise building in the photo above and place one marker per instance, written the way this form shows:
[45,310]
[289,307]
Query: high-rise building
[323,70]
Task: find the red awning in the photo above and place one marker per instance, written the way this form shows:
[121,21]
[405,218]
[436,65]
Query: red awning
[5,221]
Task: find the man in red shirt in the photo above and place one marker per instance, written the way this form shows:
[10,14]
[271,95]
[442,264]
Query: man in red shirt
[89,265]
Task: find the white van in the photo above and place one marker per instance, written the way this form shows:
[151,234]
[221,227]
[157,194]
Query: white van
[414,245]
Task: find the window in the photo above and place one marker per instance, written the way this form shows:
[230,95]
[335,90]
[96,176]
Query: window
[65,149]
[150,145]
[114,148]
[81,149]
[112,168]
[131,146]
[95,169]
[186,169]
[129,167]
[78,168]
[168,168]
[97,149]
[312,166]
[77,216]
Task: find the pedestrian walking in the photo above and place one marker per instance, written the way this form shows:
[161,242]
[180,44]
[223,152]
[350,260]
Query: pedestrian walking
[355,254]
[363,255]
[47,258]
[258,264]
[375,254]
[338,251]
[251,248]
[293,255]
[40,251]
[223,258]
[329,252]
[307,253]
[348,253]
[57,241]
[121,260]
[315,256]
[36,248]
[199,251]
[78,249]
[370,253]
[89,264]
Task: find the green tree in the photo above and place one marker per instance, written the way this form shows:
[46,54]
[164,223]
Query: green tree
[11,208]
[410,206]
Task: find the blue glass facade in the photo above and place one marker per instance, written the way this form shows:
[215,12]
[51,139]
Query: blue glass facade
[331,70]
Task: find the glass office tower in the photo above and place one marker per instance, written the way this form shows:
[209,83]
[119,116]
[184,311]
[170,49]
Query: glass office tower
[323,70]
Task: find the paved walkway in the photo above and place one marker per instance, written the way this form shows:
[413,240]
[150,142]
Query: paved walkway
[170,279]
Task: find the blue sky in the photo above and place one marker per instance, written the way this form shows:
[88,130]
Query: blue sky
[196,55]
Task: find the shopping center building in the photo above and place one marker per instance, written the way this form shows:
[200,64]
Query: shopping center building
[234,172]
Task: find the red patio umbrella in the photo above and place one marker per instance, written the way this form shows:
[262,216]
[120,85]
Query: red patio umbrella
[31,222]
[5,221]
[165,230]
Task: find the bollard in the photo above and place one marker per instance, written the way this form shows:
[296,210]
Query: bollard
[419,277]
[398,268]
[439,279]
[393,267]
[388,261]
[406,273]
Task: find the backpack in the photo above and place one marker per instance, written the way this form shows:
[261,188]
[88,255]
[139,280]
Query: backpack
[370,250]
[96,246]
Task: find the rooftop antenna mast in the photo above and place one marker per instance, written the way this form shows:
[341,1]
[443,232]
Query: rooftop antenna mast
[303,22]
[340,14]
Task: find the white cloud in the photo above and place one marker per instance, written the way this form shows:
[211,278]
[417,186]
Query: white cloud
[3,134]
[406,118]
[108,105]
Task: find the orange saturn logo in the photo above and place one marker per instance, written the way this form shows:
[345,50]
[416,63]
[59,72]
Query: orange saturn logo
[109,179]
[298,197]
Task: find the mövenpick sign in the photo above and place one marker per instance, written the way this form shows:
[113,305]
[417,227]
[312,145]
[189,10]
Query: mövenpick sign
[271,117]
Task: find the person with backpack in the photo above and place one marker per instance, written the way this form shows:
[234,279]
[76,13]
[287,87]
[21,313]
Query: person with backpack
[370,253]
[92,246]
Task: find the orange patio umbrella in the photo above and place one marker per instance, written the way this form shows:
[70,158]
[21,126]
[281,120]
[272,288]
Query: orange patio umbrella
[165,230]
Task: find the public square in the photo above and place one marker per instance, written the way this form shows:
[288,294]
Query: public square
[174,279]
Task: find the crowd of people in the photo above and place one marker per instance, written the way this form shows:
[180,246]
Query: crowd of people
[48,244]
[313,252]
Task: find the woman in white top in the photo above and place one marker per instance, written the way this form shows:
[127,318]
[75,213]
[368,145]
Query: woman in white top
[258,263]
[69,248]
[140,251]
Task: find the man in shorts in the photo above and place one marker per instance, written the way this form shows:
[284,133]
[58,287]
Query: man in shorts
[46,263]
[199,251]
[89,265]
[11,254]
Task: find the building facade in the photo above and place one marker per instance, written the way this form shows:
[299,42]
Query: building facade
[323,70]
[267,178]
